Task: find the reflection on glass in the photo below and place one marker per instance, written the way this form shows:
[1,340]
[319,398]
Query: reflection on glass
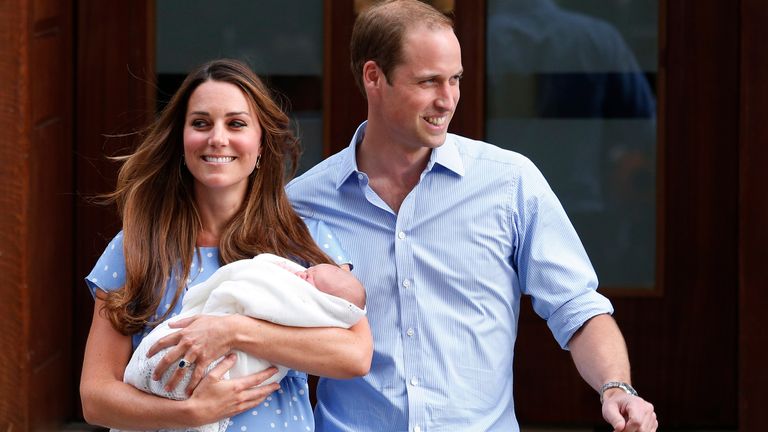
[285,49]
[444,6]
[565,88]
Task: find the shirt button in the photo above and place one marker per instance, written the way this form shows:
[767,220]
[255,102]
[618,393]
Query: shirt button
[406,283]
[401,235]
[410,332]
[360,176]
[416,429]
[414,381]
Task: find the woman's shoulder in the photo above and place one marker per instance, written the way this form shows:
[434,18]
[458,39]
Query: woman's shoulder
[109,272]
[327,240]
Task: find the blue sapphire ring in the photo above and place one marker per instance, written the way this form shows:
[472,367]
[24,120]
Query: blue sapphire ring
[184,363]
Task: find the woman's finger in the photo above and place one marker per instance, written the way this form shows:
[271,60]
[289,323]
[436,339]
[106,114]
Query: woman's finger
[259,377]
[183,367]
[164,342]
[183,322]
[198,372]
[256,395]
[218,372]
[171,357]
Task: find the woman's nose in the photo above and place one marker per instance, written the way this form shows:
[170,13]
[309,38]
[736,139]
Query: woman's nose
[218,136]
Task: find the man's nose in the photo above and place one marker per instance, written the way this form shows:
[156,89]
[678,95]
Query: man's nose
[447,96]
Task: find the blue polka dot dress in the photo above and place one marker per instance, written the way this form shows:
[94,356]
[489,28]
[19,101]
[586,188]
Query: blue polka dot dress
[287,409]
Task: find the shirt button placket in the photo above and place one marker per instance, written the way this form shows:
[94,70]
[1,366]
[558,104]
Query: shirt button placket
[409,316]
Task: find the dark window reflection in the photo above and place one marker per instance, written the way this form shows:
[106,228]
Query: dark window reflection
[286,50]
[566,90]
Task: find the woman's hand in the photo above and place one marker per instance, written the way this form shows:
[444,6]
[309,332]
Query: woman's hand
[200,340]
[108,401]
[216,398]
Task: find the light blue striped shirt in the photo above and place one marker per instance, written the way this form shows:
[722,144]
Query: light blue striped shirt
[444,277]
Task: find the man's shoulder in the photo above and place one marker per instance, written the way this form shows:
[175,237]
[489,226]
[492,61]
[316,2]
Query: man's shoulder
[487,153]
[325,171]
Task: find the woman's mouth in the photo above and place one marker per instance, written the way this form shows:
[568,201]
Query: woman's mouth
[218,159]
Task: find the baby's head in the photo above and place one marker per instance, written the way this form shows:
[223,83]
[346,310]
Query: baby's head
[335,281]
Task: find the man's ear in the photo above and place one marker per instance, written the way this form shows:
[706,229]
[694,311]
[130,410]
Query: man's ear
[373,76]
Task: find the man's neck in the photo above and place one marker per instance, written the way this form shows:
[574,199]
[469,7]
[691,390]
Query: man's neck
[393,172]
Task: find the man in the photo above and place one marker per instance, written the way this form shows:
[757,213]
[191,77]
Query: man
[446,235]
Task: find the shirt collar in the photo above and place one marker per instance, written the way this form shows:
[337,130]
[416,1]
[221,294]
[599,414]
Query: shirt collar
[447,155]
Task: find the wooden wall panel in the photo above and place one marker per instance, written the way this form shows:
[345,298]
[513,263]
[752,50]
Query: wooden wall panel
[115,95]
[753,217]
[36,223]
[469,23]
[13,193]
[49,259]
[344,106]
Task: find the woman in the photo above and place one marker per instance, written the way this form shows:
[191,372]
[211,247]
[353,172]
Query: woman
[205,188]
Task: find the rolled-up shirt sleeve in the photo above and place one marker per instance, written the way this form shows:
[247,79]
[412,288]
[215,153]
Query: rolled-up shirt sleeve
[553,267]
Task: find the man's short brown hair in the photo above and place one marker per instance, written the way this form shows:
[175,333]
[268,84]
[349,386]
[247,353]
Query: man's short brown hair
[379,31]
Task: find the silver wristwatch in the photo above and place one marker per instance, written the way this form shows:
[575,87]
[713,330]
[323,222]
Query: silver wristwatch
[617,384]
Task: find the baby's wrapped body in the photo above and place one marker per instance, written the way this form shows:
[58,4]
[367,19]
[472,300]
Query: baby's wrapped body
[265,287]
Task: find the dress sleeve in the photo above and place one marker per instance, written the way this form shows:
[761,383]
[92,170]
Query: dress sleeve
[327,241]
[109,272]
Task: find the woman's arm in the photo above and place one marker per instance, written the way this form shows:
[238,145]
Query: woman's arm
[325,351]
[108,401]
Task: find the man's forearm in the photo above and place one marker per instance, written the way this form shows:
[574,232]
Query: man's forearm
[599,352]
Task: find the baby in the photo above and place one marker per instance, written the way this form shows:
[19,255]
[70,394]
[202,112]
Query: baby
[335,281]
[265,287]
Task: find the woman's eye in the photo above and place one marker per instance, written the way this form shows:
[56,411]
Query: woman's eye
[198,123]
[237,124]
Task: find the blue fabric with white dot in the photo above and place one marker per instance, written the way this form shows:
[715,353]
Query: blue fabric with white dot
[287,409]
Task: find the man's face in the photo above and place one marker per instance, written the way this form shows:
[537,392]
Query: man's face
[418,103]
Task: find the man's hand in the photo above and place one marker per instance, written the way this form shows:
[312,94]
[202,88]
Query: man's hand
[627,413]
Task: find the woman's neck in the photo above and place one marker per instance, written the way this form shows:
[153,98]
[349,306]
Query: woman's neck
[215,213]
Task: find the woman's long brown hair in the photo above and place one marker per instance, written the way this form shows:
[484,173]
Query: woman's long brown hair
[160,220]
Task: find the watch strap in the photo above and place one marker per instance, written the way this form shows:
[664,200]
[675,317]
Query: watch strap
[617,384]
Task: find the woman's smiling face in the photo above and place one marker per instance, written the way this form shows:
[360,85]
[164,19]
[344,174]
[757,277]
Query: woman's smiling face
[222,137]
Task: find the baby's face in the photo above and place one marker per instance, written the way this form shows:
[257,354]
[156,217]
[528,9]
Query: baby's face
[323,275]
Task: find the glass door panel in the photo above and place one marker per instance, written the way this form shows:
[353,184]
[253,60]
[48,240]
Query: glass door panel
[285,49]
[571,85]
